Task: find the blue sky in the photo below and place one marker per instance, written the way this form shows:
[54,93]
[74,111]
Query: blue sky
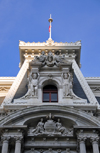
[27,20]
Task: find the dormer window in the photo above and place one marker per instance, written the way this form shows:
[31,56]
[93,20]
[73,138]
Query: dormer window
[50,93]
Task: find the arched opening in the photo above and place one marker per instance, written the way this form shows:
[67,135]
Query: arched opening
[50,93]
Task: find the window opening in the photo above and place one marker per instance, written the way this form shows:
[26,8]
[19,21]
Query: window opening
[50,93]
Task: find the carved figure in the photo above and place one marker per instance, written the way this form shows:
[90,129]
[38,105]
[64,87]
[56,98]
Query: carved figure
[60,128]
[66,84]
[32,85]
[39,128]
[42,58]
[49,59]
[58,59]
[50,128]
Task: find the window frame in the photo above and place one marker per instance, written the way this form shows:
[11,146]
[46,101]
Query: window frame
[50,91]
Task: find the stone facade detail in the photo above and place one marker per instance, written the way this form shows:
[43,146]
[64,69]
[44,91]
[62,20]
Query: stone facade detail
[84,84]
[93,138]
[16,83]
[32,85]
[5,144]
[50,60]
[50,128]
[67,80]
[49,42]
[41,113]
[18,144]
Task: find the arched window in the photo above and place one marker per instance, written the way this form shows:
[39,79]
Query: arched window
[50,93]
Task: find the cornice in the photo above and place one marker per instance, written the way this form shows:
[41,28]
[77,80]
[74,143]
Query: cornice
[49,42]
[3,79]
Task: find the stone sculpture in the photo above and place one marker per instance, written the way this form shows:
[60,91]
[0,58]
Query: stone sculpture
[42,58]
[67,81]
[51,128]
[58,58]
[66,84]
[61,128]
[50,60]
[32,85]
[39,128]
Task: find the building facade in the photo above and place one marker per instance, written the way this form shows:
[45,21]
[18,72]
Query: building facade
[49,107]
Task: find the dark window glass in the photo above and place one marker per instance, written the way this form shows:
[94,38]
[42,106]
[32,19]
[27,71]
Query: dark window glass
[49,88]
[54,97]
[45,97]
[50,94]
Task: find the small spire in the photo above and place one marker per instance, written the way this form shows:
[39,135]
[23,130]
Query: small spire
[50,20]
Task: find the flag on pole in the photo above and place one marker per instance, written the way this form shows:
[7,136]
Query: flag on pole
[49,28]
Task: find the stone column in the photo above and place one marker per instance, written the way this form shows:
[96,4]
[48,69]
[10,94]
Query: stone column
[18,144]
[5,144]
[95,146]
[82,144]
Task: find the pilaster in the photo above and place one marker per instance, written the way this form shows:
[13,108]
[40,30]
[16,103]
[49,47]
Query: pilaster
[82,146]
[95,146]
[5,141]
[18,140]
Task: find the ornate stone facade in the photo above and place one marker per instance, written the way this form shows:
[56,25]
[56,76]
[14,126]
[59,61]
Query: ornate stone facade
[45,110]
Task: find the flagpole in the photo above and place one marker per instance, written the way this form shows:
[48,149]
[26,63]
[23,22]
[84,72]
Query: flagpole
[50,20]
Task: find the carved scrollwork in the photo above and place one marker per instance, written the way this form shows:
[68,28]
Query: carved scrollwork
[32,151]
[50,150]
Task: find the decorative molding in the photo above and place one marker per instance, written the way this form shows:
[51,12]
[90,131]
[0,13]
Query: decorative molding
[6,78]
[95,89]
[49,42]
[30,110]
[4,88]
[84,84]
[91,135]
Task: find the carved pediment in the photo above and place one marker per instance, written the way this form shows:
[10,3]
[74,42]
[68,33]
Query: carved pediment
[50,128]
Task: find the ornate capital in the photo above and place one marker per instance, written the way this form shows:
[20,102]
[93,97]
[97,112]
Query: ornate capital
[5,139]
[81,139]
[94,139]
[18,138]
